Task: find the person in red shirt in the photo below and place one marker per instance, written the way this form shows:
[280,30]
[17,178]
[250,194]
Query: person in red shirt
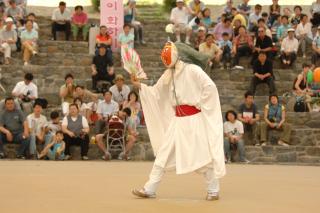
[79,22]
[104,39]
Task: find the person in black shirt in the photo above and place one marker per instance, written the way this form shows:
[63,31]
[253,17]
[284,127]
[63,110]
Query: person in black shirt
[102,68]
[249,115]
[263,44]
[262,71]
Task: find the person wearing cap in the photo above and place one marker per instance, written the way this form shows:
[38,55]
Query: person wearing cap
[8,39]
[185,125]
[120,91]
[304,33]
[316,48]
[179,17]
[14,11]
[200,37]
[101,70]
[289,48]
[130,16]
[61,18]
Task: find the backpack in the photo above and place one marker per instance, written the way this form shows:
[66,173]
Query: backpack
[300,105]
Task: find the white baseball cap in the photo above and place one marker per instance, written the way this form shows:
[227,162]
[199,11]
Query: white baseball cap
[202,28]
[179,1]
[9,19]
[291,30]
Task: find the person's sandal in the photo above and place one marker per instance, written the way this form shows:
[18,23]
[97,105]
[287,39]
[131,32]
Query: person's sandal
[142,193]
[212,196]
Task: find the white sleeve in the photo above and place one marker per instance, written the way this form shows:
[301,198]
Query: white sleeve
[99,110]
[241,130]
[84,122]
[29,121]
[35,91]
[65,121]
[17,88]
[54,18]
[116,108]
[225,127]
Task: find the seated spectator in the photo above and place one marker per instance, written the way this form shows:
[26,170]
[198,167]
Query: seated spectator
[23,5]
[80,23]
[249,115]
[200,37]
[211,50]
[101,70]
[26,92]
[304,33]
[263,44]
[83,109]
[226,47]
[262,23]
[130,139]
[227,9]
[274,10]
[29,40]
[238,16]
[301,87]
[52,127]
[89,100]
[274,28]
[195,23]
[76,129]
[126,37]
[55,149]
[242,46]
[106,109]
[236,26]
[262,73]
[104,39]
[179,17]
[206,17]
[244,9]
[61,18]
[13,129]
[296,18]
[14,11]
[20,27]
[315,8]
[282,31]
[120,91]
[316,48]
[2,10]
[289,48]
[130,17]
[133,103]
[275,118]
[32,17]
[196,7]
[233,133]
[36,126]
[265,17]
[8,38]
[66,93]
[254,17]
[222,27]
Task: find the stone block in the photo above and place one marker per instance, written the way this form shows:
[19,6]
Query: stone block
[287,157]
[268,150]
[313,151]
[52,49]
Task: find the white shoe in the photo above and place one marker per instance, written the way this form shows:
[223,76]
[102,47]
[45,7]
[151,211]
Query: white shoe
[34,52]
[281,143]
[187,42]
[142,193]
[26,64]
[238,67]
[212,196]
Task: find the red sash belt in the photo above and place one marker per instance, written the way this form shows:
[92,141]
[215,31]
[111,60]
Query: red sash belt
[186,110]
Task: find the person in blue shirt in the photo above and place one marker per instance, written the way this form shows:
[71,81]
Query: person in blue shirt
[282,31]
[226,46]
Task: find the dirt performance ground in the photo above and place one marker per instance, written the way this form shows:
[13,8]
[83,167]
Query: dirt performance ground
[94,187]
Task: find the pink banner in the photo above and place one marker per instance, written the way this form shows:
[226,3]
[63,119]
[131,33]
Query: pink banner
[111,15]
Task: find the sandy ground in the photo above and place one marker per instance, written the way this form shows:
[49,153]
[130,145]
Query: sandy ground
[38,186]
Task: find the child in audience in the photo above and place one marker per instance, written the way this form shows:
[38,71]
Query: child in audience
[55,149]
[52,127]
[126,37]
[226,47]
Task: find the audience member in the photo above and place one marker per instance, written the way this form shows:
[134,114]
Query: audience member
[274,10]
[196,7]
[237,16]
[296,18]
[120,91]
[316,48]
[233,132]
[101,67]
[263,44]
[262,73]
[80,22]
[32,17]
[275,118]
[226,47]
[55,149]
[126,37]
[254,17]
[206,17]
[36,126]
[304,33]
[244,8]
[210,49]
[76,129]
[222,27]
[301,87]
[14,129]
[200,37]
[61,18]
[52,127]
[242,46]
[29,40]
[289,48]
[106,109]
[66,93]
[282,31]
[26,92]
[14,11]
[130,17]
[8,38]
[133,103]
[249,115]
[179,17]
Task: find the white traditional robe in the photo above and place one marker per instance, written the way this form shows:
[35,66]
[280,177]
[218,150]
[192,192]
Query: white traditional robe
[187,143]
